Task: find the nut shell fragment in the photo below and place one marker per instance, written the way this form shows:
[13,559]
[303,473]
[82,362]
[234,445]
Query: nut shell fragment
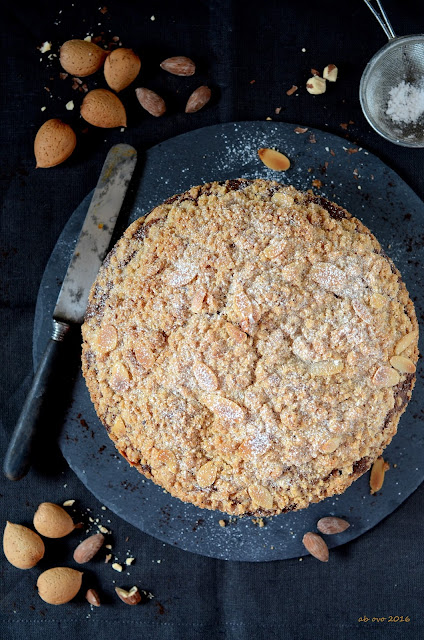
[130,597]
[330,73]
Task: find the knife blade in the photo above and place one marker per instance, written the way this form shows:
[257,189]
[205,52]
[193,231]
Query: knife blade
[90,250]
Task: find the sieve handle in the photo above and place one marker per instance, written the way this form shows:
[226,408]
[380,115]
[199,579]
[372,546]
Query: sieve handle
[382,18]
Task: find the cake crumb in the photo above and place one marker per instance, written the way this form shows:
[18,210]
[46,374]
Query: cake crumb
[222,523]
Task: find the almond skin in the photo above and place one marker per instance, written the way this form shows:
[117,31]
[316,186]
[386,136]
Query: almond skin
[59,585]
[122,66]
[150,101]
[179,66]
[331,525]
[22,547]
[198,99]
[88,548]
[101,108]
[81,58]
[51,521]
[54,143]
[316,546]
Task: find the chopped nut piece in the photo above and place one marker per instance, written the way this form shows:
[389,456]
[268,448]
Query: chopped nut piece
[330,73]
[331,445]
[117,566]
[316,85]
[300,129]
[46,46]
[68,503]
[274,159]
[315,72]
[129,561]
[108,557]
[119,427]
[206,475]
[261,496]
[131,597]
[291,91]
[103,529]
[222,523]
[378,470]
[69,105]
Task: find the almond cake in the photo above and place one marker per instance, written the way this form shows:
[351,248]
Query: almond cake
[249,347]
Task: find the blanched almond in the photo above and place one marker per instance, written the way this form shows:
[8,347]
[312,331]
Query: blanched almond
[405,342]
[386,377]
[144,356]
[330,445]
[120,379]
[274,160]
[226,409]
[326,368]
[168,458]
[402,364]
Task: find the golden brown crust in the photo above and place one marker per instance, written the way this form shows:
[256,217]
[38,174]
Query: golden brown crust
[237,347]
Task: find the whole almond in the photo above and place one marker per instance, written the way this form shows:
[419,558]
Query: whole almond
[179,66]
[93,597]
[59,585]
[131,597]
[101,108]
[331,525]
[150,101]
[52,521]
[81,58]
[88,548]
[22,547]
[122,66]
[54,143]
[316,546]
[198,99]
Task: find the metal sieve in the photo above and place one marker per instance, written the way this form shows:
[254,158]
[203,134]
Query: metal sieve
[401,59]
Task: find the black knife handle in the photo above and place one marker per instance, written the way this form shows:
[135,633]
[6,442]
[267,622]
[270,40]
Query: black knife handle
[18,456]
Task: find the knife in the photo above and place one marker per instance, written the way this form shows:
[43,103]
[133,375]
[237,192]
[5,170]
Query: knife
[90,250]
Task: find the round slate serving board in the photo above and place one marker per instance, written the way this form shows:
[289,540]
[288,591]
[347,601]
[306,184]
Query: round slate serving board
[369,190]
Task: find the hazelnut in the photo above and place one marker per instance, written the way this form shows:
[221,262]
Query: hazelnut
[316,85]
[330,73]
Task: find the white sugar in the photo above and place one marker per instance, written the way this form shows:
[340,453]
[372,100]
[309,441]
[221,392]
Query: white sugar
[406,103]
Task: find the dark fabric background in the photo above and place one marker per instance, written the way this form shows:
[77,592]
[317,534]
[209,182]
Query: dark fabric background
[234,44]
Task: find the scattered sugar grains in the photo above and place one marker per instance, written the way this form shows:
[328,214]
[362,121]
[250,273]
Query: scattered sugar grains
[406,103]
